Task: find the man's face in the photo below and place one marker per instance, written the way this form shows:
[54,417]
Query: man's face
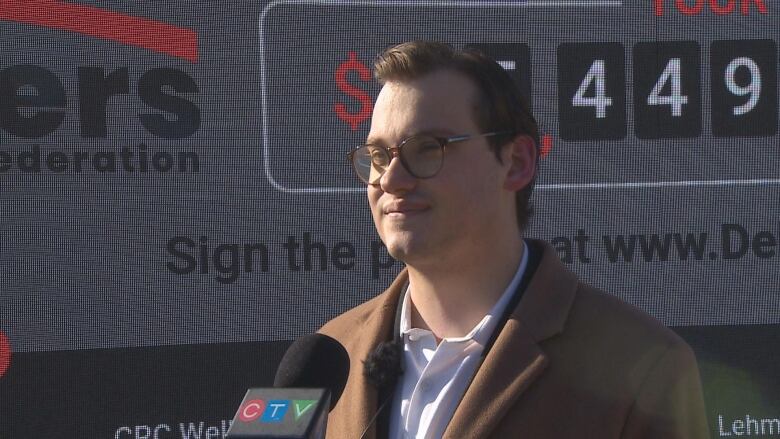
[442,219]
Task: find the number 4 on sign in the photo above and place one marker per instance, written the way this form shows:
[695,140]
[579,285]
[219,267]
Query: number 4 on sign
[676,99]
[600,101]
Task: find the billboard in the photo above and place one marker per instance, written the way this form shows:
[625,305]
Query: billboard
[176,206]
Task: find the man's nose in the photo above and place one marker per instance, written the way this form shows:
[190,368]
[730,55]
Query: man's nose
[396,178]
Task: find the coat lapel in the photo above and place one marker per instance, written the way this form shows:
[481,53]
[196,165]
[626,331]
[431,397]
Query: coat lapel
[516,360]
[359,402]
[497,383]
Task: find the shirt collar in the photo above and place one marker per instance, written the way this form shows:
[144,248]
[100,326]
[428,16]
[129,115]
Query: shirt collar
[481,332]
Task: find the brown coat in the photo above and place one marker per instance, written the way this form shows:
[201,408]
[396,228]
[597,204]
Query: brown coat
[571,362]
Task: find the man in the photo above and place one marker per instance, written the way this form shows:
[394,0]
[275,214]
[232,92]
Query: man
[497,338]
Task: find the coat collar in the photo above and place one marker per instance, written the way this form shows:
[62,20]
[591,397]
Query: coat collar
[509,368]
[516,360]
[359,401]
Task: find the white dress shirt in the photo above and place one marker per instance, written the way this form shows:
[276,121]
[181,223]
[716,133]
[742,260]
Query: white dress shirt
[436,377]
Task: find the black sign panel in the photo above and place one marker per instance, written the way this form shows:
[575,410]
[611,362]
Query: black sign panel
[744,88]
[515,58]
[592,91]
[667,91]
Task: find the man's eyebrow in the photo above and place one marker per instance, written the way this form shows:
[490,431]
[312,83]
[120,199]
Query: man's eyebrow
[373,141]
[436,132]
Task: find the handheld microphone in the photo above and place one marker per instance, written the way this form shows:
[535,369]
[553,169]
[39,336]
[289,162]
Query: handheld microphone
[309,382]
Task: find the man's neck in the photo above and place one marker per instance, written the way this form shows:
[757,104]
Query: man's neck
[450,301]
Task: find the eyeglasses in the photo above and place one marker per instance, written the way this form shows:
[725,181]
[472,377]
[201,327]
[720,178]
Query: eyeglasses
[422,156]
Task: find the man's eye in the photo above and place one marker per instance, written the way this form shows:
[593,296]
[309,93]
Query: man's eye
[425,148]
[378,157]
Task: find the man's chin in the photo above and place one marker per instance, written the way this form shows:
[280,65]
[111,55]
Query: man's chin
[397,246]
[407,251]
[398,252]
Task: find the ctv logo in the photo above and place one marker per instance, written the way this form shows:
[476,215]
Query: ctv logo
[274,410]
[719,7]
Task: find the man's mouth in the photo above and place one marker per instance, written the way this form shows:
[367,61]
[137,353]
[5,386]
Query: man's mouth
[403,208]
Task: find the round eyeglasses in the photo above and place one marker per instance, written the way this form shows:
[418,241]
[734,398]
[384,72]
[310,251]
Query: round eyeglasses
[421,155]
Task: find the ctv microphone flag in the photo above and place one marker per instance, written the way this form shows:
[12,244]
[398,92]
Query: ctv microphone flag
[276,413]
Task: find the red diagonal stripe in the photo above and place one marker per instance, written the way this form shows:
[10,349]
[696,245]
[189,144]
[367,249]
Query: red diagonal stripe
[100,23]
[5,354]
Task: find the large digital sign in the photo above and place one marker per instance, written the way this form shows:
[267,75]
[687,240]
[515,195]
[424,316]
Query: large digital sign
[176,205]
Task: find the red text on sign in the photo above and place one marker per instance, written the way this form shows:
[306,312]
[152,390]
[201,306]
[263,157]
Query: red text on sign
[719,7]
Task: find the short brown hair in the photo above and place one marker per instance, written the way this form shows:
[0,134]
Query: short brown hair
[500,106]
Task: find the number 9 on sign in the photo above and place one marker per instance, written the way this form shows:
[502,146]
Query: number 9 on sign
[744,88]
[753,87]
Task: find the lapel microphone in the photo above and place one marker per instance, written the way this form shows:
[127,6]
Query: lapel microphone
[384,365]
[382,368]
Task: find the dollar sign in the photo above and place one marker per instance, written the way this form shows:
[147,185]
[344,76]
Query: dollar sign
[353,119]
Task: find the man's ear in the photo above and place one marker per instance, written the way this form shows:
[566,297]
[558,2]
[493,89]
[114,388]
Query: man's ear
[520,156]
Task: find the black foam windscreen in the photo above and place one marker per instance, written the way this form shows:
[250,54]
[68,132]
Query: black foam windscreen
[315,361]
